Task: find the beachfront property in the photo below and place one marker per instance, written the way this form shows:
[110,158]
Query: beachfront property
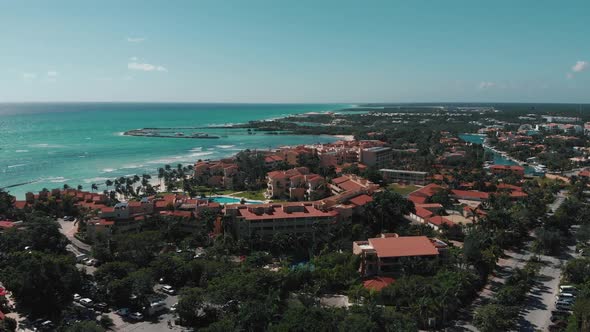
[404,176]
[384,255]
[217,174]
[294,155]
[344,152]
[296,184]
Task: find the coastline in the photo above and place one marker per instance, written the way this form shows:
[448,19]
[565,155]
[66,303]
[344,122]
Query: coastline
[52,152]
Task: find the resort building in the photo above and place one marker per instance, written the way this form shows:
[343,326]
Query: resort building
[352,183]
[296,184]
[377,156]
[404,176]
[265,220]
[507,170]
[383,255]
[217,174]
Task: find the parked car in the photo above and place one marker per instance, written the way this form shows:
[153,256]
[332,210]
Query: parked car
[80,257]
[68,218]
[567,289]
[91,262]
[86,302]
[46,326]
[563,305]
[122,312]
[103,307]
[565,297]
[558,315]
[136,316]
[42,324]
[174,307]
[77,297]
[168,289]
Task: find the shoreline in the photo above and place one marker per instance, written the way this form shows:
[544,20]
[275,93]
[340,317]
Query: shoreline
[153,173]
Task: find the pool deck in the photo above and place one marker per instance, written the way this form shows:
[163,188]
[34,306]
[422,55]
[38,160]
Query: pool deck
[248,201]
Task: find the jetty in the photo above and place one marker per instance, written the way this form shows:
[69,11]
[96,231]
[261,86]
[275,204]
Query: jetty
[164,133]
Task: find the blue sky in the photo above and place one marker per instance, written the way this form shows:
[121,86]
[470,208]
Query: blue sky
[295,51]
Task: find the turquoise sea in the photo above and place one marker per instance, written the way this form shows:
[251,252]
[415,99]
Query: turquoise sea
[46,145]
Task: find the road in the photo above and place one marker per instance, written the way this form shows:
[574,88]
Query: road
[505,267]
[561,196]
[540,300]
[69,229]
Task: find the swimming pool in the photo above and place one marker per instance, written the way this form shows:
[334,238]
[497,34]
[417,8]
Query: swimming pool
[231,200]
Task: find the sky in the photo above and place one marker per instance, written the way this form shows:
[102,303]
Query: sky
[304,51]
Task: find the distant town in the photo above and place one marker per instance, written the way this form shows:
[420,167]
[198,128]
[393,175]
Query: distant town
[456,217]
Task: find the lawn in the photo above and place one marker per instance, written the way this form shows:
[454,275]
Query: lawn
[253,195]
[402,189]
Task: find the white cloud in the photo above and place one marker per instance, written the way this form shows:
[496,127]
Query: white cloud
[52,73]
[29,76]
[135,39]
[145,67]
[579,66]
[486,85]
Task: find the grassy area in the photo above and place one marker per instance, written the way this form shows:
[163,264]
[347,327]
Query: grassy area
[253,195]
[402,189]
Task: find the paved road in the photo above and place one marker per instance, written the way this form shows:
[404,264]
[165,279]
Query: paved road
[505,267]
[561,196]
[69,228]
[540,301]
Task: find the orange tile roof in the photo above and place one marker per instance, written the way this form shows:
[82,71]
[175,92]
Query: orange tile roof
[470,194]
[439,221]
[278,212]
[403,246]
[378,283]
[361,200]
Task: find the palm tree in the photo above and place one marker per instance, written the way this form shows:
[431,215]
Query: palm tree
[108,183]
[80,187]
[66,186]
[94,187]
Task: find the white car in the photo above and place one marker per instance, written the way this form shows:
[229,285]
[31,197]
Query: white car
[86,302]
[77,297]
[167,289]
[136,316]
[567,289]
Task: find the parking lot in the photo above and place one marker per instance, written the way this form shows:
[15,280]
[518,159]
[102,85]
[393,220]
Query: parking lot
[149,324]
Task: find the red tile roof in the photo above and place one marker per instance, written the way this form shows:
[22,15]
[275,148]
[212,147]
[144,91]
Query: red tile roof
[361,200]
[421,195]
[6,224]
[471,194]
[439,221]
[378,283]
[278,212]
[403,246]
[423,213]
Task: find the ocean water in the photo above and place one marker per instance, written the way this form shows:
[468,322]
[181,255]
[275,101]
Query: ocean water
[47,145]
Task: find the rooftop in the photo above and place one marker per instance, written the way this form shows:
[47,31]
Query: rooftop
[403,246]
